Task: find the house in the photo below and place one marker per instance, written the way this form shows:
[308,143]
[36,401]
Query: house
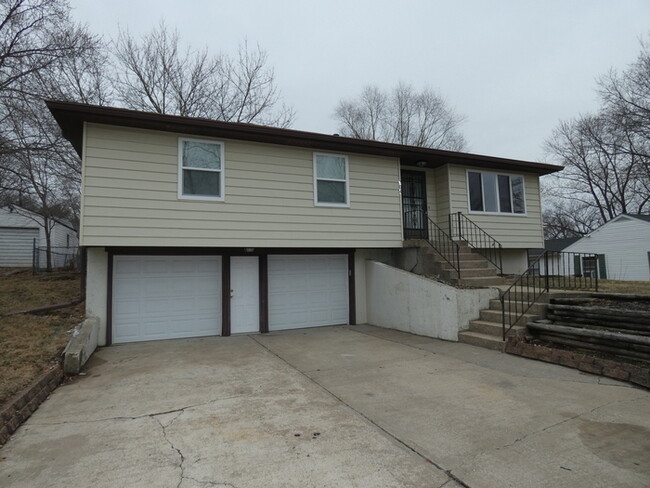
[623,248]
[22,230]
[553,258]
[195,227]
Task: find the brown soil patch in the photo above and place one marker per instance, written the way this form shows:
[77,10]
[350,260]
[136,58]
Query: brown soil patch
[29,343]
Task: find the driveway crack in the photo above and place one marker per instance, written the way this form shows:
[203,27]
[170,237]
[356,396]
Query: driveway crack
[136,417]
[544,429]
[368,419]
[171,444]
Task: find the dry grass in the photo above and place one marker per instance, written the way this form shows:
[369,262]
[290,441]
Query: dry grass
[635,287]
[29,343]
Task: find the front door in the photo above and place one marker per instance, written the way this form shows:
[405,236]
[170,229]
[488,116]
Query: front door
[244,294]
[414,204]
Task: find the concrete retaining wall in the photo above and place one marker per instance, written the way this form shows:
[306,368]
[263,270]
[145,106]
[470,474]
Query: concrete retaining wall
[81,346]
[404,301]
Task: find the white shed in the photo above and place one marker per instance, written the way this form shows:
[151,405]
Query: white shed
[623,246]
[20,229]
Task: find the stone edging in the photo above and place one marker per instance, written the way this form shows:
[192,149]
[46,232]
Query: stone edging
[23,405]
[590,364]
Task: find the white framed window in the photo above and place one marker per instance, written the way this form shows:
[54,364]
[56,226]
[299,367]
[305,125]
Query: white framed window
[200,169]
[331,180]
[495,193]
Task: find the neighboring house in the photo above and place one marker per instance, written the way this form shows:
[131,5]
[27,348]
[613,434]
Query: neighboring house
[623,248]
[553,257]
[21,230]
[196,227]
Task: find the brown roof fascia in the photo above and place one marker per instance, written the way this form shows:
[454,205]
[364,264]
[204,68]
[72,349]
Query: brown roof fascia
[71,117]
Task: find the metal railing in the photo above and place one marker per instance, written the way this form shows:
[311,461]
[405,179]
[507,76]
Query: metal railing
[461,227]
[551,270]
[444,245]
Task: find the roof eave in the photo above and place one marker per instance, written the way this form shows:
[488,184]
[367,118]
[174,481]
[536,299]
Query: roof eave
[71,116]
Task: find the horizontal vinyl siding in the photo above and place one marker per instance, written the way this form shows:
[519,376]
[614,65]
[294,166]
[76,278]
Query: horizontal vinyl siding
[442,196]
[130,197]
[512,231]
[16,246]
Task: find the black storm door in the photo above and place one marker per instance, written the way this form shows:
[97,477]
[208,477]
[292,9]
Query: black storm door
[414,204]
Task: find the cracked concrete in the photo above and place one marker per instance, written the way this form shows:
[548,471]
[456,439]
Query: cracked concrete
[338,406]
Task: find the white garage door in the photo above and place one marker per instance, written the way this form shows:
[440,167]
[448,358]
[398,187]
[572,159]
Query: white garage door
[166,297]
[17,246]
[307,291]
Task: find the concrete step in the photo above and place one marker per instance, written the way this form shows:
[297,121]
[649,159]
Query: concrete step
[469,263]
[493,328]
[482,281]
[495,316]
[481,340]
[536,308]
[477,272]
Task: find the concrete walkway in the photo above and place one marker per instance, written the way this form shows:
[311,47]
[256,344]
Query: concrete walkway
[337,406]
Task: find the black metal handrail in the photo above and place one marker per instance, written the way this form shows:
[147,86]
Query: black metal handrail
[444,245]
[551,270]
[461,227]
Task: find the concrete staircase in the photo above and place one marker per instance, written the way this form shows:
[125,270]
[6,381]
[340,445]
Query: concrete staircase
[486,331]
[475,270]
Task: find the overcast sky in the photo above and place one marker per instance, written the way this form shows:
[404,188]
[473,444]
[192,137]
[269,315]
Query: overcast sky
[513,68]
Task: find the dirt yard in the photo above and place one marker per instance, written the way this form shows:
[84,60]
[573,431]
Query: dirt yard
[29,343]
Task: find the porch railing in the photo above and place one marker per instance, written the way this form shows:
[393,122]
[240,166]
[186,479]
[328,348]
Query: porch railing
[551,270]
[461,227]
[444,245]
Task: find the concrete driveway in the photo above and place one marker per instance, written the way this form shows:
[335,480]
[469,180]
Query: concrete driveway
[337,406]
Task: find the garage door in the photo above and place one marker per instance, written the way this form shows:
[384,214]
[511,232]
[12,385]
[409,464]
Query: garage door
[166,297]
[307,291]
[16,247]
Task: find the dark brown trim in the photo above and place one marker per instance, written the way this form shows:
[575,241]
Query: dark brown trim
[109,301]
[71,117]
[352,302]
[225,295]
[83,272]
[264,293]
[220,251]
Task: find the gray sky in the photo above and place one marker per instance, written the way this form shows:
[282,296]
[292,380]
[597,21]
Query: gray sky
[513,68]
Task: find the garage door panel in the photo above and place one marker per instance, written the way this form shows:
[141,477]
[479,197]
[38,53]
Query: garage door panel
[307,291]
[166,297]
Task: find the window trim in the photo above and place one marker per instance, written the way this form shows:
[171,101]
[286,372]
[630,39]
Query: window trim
[497,174]
[222,171]
[346,181]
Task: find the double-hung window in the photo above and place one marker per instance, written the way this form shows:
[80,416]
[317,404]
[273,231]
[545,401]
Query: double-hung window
[331,180]
[496,193]
[200,170]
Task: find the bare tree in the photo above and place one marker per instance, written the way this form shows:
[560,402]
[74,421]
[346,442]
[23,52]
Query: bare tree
[403,116]
[155,73]
[44,55]
[34,34]
[606,155]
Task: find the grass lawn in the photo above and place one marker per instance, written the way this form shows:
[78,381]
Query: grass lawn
[635,287]
[29,343]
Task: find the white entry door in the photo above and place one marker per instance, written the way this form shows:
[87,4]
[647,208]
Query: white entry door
[245,294]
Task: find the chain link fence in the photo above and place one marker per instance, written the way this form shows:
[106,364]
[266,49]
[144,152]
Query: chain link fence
[61,258]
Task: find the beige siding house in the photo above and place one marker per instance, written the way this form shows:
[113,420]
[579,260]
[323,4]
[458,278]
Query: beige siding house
[195,227]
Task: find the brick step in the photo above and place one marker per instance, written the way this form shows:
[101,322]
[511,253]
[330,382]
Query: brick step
[496,316]
[493,328]
[481,340]
[536,308]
